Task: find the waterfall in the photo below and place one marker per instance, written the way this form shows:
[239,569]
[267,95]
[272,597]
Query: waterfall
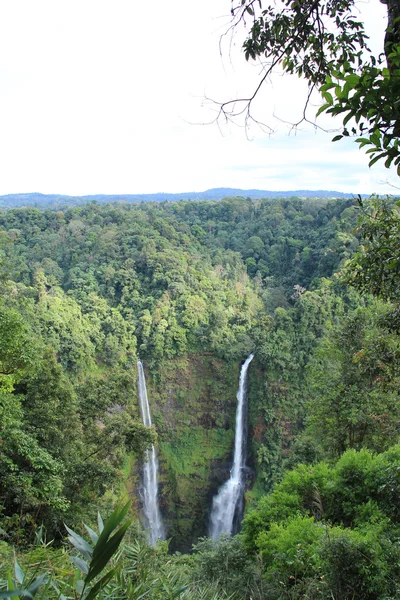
[228,502]
[150,470]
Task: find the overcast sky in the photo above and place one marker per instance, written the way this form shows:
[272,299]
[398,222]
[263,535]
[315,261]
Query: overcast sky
[110,97]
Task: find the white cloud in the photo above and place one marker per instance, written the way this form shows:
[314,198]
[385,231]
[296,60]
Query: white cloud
[98,96]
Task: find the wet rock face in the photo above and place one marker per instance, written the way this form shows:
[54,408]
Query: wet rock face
[193,404]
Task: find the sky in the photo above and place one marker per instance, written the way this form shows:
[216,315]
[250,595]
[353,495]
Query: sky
[118,97]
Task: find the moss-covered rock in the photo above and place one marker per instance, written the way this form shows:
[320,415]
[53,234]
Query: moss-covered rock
[193,404]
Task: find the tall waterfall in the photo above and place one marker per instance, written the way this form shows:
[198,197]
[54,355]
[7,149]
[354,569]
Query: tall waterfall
[150,470]
[228,503]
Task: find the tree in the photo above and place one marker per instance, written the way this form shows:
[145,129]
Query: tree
[30,476]
[375,268]
[353,383]
[16,350]
[329,531]
[323,42]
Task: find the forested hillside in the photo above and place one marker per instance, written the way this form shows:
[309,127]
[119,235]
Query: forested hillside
[59,200]
[191,288]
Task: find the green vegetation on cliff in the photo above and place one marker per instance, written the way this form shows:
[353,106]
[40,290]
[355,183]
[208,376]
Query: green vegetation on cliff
[193,403]
[91,289]
[193,288]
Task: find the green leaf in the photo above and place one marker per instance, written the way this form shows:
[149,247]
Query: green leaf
[79,587]
[328,97]
[29,593]
[352,79]
[375,159]
[348,117]
[81,564]
[375,138]
[100,584]
[363,141]
[388,161]
[100,523]
[105,553]
[32,590]
[93,535]
[19,574]
[80,544]
[337,138]
[327,86]
[345,91]
[338,92]
[112,523]
[322,109]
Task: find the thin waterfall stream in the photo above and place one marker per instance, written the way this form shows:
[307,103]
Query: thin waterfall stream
[151,508]
[228,502]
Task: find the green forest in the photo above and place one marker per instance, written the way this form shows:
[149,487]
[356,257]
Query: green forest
[311,286]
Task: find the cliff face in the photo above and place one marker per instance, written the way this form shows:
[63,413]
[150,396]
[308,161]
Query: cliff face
[193,404]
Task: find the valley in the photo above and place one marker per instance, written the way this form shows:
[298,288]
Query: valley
[191,289]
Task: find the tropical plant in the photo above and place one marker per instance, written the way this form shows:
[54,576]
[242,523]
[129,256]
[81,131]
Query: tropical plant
[89,580]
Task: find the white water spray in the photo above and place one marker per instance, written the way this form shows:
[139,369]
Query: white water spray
[150,470]
[228,502]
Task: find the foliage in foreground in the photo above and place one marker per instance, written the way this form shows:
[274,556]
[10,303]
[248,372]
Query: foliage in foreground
[326,531]
[90,579]
[331,530]
[102,568]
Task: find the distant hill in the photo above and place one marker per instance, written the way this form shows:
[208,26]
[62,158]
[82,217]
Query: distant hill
[58,200]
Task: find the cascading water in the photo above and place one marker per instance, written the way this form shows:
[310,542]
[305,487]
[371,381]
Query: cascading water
[228,503]
[150,470]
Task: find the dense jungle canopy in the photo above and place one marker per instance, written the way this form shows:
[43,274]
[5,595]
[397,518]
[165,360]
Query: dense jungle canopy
[191,288]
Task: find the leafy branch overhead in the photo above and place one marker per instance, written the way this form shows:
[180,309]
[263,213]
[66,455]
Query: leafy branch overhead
[325,42]
[371,99]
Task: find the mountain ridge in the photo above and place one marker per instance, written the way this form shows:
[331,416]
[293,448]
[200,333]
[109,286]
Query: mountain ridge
[37,199]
